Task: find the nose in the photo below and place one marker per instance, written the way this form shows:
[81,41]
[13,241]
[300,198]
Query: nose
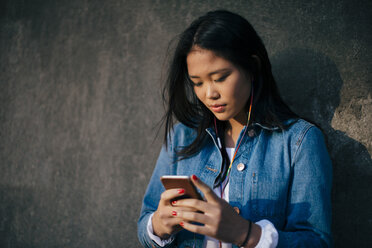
[212,92]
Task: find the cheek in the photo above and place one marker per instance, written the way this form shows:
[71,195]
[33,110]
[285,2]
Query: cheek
[242,92]
[199,93]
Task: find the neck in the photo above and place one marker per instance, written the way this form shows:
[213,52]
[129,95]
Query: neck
[233,130]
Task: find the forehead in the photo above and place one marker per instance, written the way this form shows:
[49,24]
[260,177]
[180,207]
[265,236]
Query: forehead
[201,61]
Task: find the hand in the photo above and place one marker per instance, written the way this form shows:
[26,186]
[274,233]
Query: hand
[164,221]
[219,219]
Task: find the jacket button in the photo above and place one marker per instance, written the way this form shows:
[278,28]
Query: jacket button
[240,166]
[237,210]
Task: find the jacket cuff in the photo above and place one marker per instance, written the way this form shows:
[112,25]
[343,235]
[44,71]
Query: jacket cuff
[156,239]
[269,235]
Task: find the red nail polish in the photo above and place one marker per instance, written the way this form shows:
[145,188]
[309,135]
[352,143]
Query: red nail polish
[181,191]
[182,224]
[195,177]
[174,202]
[174,213]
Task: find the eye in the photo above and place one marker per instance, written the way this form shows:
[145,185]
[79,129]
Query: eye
[221,79]
[198,84]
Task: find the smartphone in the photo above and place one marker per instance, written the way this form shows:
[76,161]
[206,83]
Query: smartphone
[184,182]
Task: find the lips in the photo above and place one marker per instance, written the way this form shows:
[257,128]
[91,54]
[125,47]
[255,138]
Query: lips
[218,108]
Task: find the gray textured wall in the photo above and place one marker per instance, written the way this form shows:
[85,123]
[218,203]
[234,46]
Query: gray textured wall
[80,99]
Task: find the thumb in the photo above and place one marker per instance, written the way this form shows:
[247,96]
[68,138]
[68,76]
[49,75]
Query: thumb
[209,195]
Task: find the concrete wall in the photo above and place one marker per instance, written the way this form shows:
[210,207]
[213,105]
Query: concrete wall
[80,100]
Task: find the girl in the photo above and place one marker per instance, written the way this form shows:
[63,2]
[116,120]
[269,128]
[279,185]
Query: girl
[265,173]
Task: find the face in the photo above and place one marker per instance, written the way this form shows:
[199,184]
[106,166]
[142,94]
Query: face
[219,85]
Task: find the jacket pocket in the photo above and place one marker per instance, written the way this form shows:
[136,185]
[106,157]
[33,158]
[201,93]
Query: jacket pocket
[268,197]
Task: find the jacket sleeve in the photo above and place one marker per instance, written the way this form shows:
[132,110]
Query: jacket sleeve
[309,208]
[164,166]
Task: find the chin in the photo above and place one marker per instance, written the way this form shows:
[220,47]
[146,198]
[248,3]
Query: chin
[222,117]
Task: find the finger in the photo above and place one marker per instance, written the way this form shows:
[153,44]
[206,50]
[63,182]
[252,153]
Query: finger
[195,228]
[168,195]
[165,223]
[193,217]
[207,191]
[195,204]
[183,208]
[172,224]
[174,221]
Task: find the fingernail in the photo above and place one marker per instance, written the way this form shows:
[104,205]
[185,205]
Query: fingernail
[174,202]
[195,177]
[182,224]
[181,191]
[174,213]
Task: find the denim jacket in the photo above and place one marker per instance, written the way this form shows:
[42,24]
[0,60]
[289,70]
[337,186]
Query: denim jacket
[286,179]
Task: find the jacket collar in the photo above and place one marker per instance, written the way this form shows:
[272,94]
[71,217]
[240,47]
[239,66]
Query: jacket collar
[257,125]
[285,123]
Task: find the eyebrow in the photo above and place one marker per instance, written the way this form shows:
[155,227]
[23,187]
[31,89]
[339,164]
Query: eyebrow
[213,72]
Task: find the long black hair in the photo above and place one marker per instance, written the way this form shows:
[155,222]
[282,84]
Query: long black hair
[233,38]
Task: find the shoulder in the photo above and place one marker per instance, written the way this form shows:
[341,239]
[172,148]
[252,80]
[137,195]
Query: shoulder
[306,141]
[300,130]
[298,134]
